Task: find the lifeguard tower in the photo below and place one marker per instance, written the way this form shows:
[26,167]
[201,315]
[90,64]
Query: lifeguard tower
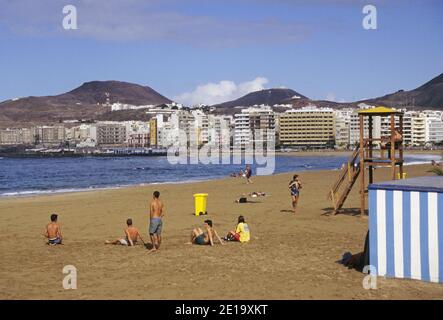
[371,151]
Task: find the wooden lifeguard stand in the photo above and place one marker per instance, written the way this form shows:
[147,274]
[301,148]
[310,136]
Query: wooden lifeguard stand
[370,152]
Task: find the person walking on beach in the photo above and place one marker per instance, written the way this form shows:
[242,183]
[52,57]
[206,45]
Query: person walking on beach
[294,187]
[53,231]
[131,236]
[248,174]
[156,223]
[200,237]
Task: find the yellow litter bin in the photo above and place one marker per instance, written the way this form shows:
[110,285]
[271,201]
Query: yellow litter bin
[404,176]
[200,203]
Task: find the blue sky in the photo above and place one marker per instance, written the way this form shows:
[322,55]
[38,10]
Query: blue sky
[209,51]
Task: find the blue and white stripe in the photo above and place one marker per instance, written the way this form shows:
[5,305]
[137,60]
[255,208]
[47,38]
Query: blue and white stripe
[406,234]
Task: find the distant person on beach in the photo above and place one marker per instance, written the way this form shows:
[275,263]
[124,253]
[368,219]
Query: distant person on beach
[294,187]
[435,163]
[248,173]
[200,237]
[156,223]
[257,194]
[53,231]
[131,236]
[241,233]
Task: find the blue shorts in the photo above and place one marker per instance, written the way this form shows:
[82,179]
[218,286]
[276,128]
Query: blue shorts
[155,226]
[55,241]
[200,240]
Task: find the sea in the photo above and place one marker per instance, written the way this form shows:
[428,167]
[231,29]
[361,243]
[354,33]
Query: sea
[32,176]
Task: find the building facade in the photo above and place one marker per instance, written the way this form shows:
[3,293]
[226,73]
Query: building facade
[308,127]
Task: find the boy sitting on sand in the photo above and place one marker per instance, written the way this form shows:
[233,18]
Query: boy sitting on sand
[241,233]
[53,231]
[200,237]
[131,236]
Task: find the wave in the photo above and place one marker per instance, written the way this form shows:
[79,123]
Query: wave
[26,193]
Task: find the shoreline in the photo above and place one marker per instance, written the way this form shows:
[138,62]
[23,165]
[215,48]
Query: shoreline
[42,193]
[49,193]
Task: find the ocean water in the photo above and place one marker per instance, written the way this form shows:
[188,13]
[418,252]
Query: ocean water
[29,176]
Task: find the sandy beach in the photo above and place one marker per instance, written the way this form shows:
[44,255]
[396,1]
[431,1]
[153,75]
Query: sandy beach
[289,256]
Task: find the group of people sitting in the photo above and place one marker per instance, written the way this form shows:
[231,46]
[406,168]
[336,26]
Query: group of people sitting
[199,236]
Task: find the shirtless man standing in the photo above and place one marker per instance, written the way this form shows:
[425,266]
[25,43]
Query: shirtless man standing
[53,231]
[155,223]
[131,236]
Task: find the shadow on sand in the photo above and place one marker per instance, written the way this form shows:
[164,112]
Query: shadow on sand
[354,212]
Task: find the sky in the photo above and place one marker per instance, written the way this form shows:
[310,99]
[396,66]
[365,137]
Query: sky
[210,51]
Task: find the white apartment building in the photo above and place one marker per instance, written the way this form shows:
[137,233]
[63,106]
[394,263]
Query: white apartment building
[257,123]
[50,135]
[354,128]
[418,128]
[434,129]
[219,129]
[342,127]
[385,126]
[111,133]
[16,136]
[200,123]
[82,136]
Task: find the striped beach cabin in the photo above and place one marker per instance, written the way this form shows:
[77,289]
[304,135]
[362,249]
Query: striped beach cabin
[406,228]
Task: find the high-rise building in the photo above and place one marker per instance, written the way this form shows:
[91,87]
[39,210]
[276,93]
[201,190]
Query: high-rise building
[111,134]
[153,141]
[342,127]
[50,135]
[16,136]
[254,125]
[308,127]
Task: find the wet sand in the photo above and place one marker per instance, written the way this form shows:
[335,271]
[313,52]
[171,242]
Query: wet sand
[289,256]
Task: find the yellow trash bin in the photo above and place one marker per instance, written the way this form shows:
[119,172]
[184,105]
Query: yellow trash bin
[200,203]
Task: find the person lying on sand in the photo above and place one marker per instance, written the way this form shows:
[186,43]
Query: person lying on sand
[53,231]
[200,237]
[257,194]
[131,236]
[242,199]
[241,233]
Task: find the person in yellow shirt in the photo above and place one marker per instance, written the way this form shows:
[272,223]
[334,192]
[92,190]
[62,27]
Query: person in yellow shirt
[241,233]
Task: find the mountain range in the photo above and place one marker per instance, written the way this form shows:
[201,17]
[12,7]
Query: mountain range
[91,101]
[88,101]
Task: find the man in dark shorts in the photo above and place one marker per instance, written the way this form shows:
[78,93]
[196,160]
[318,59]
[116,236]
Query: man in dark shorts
[156,223]
[53,231]
[206,237]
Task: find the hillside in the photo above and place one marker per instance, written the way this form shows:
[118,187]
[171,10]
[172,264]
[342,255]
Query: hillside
[85,102]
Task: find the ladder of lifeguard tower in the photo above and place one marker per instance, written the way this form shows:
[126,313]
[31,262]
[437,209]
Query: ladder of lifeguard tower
[348,176]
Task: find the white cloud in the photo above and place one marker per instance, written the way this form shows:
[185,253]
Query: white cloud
[225,90]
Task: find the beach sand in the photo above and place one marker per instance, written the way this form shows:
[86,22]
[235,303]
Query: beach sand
[288,257]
